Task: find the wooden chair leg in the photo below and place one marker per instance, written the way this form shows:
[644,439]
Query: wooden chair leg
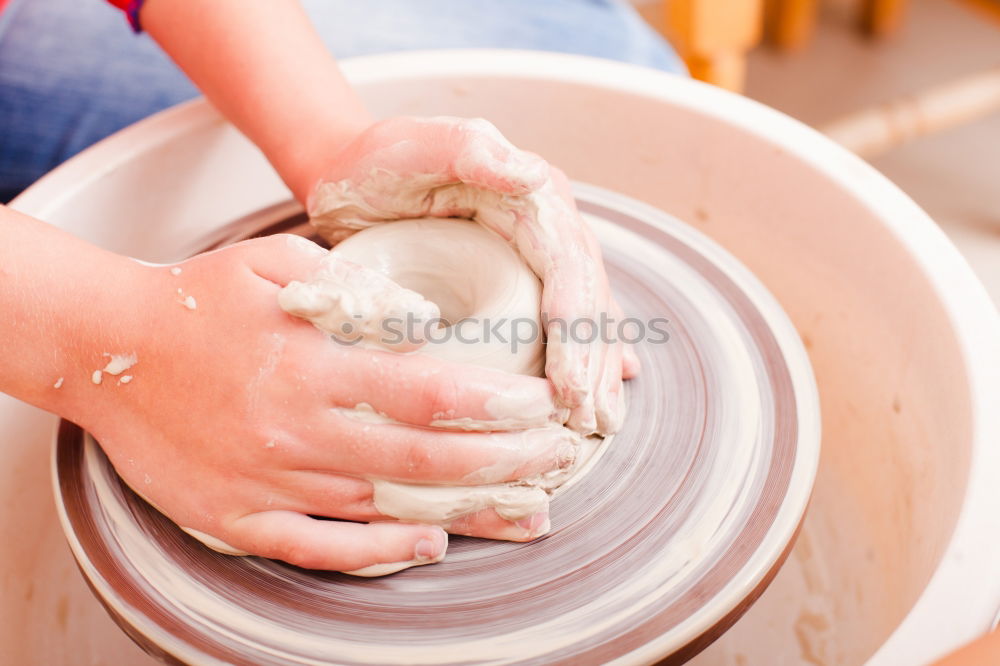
[724,69]
[881,17]
[713,37]
[790,23]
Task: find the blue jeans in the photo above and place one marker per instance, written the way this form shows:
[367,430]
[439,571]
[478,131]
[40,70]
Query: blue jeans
[71,71]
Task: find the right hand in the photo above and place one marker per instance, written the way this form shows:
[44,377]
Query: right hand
[236,422]
[444,167]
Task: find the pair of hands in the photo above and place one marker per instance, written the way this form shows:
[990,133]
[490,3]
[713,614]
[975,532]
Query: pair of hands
[237,391]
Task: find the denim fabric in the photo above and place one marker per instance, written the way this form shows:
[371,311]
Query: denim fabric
[71,71]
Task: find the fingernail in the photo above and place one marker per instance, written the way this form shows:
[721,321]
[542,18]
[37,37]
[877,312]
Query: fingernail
[584,418]
[534,170]
[535,524]
[305,245]
[426,549]
[430,549]
[609,410]
[566,454]
[524,172]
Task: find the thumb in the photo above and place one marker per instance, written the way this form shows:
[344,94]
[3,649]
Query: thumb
[283,258]
[354,304]
[374,549]
[441,151]
[485,158]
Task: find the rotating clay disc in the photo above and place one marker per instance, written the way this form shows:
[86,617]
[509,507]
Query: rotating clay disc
[653,553]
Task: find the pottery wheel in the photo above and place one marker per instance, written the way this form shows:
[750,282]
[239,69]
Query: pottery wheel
[655,552]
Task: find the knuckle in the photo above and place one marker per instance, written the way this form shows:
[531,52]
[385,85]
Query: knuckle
[265,243]
[297,554]
[418,458]
[557,173]
[356,494]
[478,124]
[387,131]
[441,396]
[387,124]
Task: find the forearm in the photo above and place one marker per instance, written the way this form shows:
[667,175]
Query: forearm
[264,67]
[62,305]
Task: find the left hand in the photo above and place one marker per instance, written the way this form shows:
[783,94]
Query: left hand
[449,167]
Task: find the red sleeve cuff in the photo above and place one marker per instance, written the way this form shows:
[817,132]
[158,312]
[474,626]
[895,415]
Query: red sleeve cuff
[131,9]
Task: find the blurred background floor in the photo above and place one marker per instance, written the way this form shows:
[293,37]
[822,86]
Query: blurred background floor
[955,174]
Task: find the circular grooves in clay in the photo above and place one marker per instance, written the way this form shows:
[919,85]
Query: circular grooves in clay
[660,548]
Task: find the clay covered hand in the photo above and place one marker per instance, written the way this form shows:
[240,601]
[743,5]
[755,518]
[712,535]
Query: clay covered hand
[223,385]
[446,167]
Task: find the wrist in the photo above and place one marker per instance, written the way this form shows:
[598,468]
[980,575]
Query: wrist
[303,162]
[269,73]
[98,335]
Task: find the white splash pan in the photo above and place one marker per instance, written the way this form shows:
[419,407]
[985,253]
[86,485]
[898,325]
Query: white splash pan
[896,562]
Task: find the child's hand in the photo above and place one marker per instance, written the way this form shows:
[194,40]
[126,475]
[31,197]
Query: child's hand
[450,167]
[237,418]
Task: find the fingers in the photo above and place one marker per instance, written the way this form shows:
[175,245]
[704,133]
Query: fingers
[566,364]
[585,363]
[488,524]
[348,498]
[631,366]
[374,549]
[353,303]
[609,400]
[424,391]
[560,248]
[608,393]
[422,154]
[327,494]
[569,299]
[583,418]
[575,343]
[443,150]
[282,258]
[484,158]
[365,447]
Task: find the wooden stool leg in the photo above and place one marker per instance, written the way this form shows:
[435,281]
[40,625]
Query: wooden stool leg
[713,37]
[881,17]
[790,22]
[727,70]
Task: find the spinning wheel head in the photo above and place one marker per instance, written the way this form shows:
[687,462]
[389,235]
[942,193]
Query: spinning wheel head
[654,552]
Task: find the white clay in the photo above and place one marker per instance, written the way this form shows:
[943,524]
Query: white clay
[487,296]
[472,277]
[538,224]
[119,363]
[304,244]
[451,286]
[352,303]
[441,505]
[374,570]
[364,413]
[371,571]
[217,545]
